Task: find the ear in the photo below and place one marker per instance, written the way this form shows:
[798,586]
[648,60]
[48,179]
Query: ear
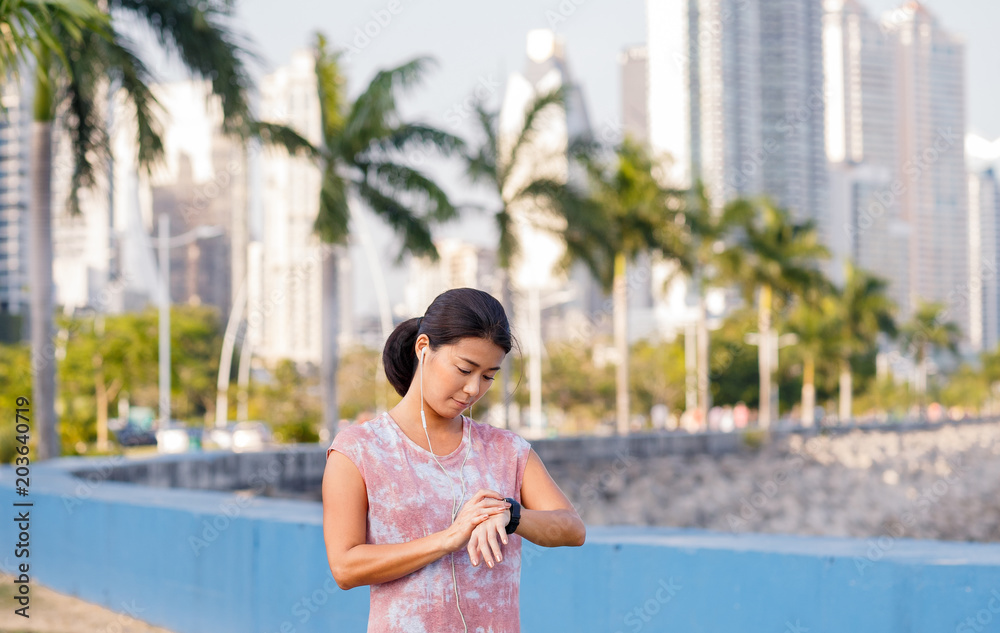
[421,346]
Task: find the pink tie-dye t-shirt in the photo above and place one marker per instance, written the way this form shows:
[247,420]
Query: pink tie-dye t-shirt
[409,497]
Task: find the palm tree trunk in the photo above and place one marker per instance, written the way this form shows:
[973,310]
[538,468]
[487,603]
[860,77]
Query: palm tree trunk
[809,391]
[331,330]
[43,385]
[764,355]
[704,391]
[620,298]
[846,404]
[506,366]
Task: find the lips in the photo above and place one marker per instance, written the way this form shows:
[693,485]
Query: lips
[464,404]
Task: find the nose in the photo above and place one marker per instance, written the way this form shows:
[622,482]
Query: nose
[472,387]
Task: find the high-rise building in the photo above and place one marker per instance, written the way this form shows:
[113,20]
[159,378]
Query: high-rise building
[736,98]
[633,64]
[459,265]
[933,192]
[862,143]
[292,257]
[14,139]
[202,183]
[984,259]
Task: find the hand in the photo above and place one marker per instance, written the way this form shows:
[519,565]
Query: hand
[483,505]
[484,539]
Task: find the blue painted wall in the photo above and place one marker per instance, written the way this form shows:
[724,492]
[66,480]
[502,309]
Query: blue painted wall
[197,561]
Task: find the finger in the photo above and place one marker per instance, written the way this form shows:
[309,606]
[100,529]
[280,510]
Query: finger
[484,549]
[494,546]
[502,533]
[485,493]
[472,552]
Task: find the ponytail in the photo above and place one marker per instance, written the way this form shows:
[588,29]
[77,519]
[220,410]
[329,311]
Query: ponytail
[399,358]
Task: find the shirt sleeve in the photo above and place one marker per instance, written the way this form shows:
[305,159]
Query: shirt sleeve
[348,442]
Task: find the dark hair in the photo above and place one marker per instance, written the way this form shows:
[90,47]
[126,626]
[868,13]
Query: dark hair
[455,314]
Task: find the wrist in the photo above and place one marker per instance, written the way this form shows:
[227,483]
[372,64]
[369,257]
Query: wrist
[513,514]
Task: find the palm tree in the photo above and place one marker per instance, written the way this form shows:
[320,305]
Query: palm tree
[923,335]
[630,214]
[494,162]
[706,230]
[27,23]
[360,156]
[816,326]
[73,63]
[864,310]
[778,258]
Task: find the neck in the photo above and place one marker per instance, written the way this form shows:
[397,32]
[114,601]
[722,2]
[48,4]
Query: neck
[408,409]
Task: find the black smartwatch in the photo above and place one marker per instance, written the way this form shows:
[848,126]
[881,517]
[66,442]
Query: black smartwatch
[515,515]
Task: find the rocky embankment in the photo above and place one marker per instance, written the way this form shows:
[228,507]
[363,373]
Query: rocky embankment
[941,484]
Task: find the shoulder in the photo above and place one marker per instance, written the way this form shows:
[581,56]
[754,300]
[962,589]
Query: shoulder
[355,436]
[497,437]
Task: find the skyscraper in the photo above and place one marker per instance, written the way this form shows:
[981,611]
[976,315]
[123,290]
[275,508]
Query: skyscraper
[633,63]
[14,138]
[862,144]
[736,98]
[291,270]
[930,66]
[984,257]
[202,182]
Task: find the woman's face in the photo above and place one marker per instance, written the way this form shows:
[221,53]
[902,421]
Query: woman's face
[457,375]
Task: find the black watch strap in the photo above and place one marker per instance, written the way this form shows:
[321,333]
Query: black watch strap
[515,514]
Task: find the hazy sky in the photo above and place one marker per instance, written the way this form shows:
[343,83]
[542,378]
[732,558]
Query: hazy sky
[473,40]
[478,44]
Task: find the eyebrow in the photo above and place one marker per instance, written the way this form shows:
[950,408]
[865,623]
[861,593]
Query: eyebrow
[475,364]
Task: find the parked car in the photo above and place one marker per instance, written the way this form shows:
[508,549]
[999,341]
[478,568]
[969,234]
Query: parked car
[251,436]
[177,438]
[134,435]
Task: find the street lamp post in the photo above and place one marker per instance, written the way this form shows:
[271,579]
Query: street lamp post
[165,243]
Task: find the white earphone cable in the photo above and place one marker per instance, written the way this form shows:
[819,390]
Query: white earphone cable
[461,471]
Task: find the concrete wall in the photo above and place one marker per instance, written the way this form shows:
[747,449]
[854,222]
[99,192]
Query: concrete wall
[292,468]
[206,561]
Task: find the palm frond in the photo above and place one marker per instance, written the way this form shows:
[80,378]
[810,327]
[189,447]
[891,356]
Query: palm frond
[198,34]
[373,114]
[433,200]
[95,60]
[413,230]
[277,135]
[529,130]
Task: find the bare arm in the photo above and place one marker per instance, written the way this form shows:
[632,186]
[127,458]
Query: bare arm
[353,561]
[547,516]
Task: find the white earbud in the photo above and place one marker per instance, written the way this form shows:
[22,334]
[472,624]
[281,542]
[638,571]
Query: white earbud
[423,417]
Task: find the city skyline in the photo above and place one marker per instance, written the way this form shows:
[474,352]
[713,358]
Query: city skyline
[444,99]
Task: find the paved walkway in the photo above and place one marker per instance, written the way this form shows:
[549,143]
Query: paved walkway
[54,612]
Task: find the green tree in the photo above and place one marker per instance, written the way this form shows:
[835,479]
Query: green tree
[76,65]
[630,214]
[926,333]
[15,373]
[577,388]
[778,259]
[706,230]
[816,328]
[658,375]
[864,310]
[362,154]
[498,163]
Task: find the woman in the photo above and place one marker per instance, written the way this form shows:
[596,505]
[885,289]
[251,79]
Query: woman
[405,493]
